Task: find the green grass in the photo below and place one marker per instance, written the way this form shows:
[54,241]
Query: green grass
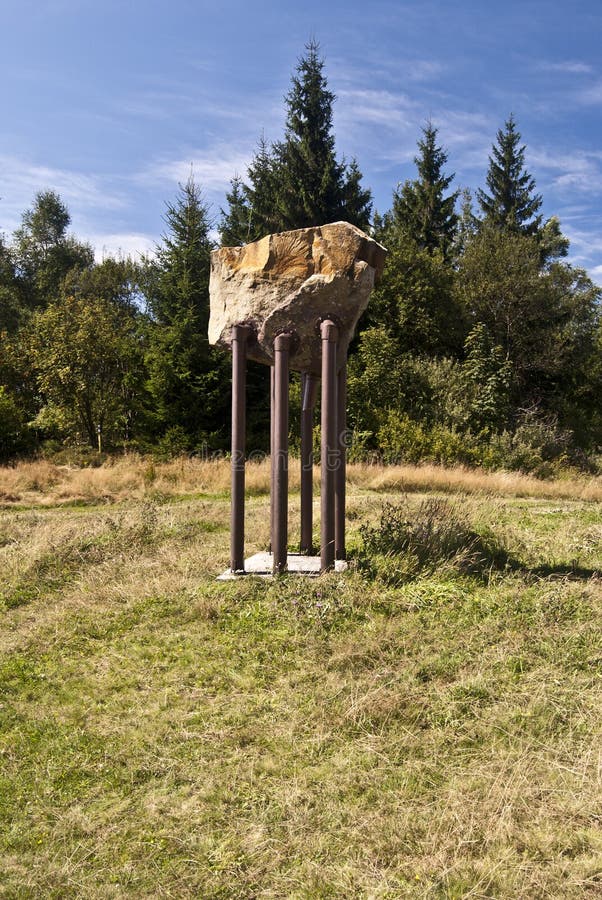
[165,735]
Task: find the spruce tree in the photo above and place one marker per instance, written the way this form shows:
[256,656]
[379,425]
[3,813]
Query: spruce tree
[314,187]
[512,204]
[264,178]
[188,378]
[235,226]
[420,207]
[298,182]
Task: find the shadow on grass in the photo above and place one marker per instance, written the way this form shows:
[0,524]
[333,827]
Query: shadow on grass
[437,536]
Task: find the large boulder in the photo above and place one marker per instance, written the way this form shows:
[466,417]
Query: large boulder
[290,282]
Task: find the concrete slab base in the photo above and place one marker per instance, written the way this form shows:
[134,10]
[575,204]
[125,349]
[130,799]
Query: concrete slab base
[260,564]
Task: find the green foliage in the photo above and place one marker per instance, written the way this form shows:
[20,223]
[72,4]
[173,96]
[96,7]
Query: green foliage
[115,280]
[511,204]
[11,300]
[415,300]
[380,378]
[543,321]
[235,225]
[313,186]
[87,360]
[405,439]
[435,535]
[44,252]
[187,378]
[420,207]
[298,182]
[15,435]
[487,376]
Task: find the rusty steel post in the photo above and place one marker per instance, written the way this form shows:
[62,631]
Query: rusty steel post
[240,335]
[308,402]
[282,346]
[329,448]
[272,454]
[339,491]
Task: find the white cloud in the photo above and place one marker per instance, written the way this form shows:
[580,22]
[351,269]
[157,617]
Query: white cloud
[596,273]
[213,169]
[570,67]
[21,180]
[591,96]
[576,172]
[120,244]
[377,107]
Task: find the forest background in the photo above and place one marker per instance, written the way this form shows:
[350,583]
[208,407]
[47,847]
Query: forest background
[482,345]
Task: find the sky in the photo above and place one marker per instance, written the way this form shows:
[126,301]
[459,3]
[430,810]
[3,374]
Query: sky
[112,103]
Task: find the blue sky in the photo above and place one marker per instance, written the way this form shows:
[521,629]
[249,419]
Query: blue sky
[110,103]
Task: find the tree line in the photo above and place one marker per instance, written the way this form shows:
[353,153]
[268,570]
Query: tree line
[482,344]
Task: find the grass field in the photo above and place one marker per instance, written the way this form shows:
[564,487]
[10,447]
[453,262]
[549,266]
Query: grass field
[367,735]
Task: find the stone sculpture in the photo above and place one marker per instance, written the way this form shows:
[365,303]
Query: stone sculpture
[292,301]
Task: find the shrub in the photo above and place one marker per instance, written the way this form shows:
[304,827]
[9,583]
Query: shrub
[434,535]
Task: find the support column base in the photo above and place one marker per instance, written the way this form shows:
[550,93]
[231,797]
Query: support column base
[260,565]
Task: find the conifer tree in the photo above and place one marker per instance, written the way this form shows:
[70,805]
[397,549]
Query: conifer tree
[420,207]
[262,193]
[298,182]
[235,225]
[314,187]
[512,204]
[188,378]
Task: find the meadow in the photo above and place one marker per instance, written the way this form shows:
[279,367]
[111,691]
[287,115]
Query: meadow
[422,726]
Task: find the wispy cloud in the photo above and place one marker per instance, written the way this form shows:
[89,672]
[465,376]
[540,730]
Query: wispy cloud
[590,96]
[21,180]
[212,169]
[118,245]
[596,273]
[377,107]
[568,67]
[579,171]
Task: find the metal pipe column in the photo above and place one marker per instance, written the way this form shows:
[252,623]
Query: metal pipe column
[282,346]
[240,335]
[308,402]
[329,447]
[339,491]
[272,444]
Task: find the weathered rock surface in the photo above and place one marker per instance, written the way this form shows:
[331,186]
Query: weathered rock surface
[290,282]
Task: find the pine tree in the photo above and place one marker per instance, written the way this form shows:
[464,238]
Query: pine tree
[420,207]
[235,226]
[298,182]
[188,378]
[512,204]
[314,187]
[265,179]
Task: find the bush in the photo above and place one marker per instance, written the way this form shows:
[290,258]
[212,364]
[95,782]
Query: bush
[435,535]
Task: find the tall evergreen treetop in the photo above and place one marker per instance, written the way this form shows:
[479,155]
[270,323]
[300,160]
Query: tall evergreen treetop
[512,203]
[420,207]
[183,259]
[187,381]
[298,182]
[235,225]
[311,179]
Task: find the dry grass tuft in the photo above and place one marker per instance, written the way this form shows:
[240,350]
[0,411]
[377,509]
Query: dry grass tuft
[459,479]
[134,478]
